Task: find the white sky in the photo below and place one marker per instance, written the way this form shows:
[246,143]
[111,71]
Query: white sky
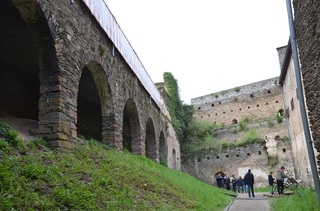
[207,45]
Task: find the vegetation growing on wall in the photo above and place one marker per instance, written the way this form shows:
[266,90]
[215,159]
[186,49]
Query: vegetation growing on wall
[181,114]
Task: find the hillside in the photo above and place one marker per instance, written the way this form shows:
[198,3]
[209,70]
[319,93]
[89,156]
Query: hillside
[94,177]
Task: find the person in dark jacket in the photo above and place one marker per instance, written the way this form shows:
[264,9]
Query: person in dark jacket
[227,181]
[271,182]
[249,181]
[219,181]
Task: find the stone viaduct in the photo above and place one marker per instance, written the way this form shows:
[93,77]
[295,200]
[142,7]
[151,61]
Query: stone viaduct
[68,66]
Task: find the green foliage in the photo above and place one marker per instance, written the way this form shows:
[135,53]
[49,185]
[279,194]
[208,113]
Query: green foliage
[94,178]
[251,137]
[301,199]
[237,89]
[279,117]
[180,114]
[273,161]
[222,125]
[8,134]
[243,123]
[200,134]
[270,122]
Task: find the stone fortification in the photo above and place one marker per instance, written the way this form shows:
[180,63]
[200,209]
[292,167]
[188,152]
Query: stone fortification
[259,103]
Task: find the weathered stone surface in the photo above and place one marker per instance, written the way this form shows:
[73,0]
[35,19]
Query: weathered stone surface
[78,77]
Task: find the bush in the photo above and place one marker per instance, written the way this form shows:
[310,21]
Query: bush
[8,134]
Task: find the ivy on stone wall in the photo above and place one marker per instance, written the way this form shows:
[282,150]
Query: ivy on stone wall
[181,114]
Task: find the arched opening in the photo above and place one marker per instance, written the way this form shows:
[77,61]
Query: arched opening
[234,121]
[19,66]
[89,121]
[151,142]
[131,134]
[277,137]
[163,149]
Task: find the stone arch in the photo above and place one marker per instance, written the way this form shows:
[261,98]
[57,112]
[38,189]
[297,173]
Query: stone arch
[95,104]
[19,65]
[163,149]
[28,49]
[131,130]
[151,142]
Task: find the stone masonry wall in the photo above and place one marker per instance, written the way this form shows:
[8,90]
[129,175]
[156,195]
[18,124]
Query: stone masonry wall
[255,101]
[307,19]
[260,102]
[70,40]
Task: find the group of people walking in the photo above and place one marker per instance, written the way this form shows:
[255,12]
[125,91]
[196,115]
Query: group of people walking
[245,185]
[240,185]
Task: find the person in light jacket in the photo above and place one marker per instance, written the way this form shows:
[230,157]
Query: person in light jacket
[280,179]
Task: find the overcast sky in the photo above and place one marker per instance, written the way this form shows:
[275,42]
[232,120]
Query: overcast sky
[207,45]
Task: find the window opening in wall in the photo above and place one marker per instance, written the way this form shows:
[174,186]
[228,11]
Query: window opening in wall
[292,104]
[231,110]
[251,95]
[224,112]
[257,105]
[284,150]
[208,158]
[259,153]
[238,155]
[217,157]
[199,108]
[199,160]
[248,107]
[216,114]
[240,109]
[269,91]
[208,114]
[234,121]
[281,112]
[201,116]
[227,156]
[277,138]
[267,103]
[220,102]
[266,137]
[248,154]
[277,101]
[212,104]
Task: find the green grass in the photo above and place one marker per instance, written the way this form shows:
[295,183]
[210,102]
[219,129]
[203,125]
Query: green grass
[94,177]
[304,199]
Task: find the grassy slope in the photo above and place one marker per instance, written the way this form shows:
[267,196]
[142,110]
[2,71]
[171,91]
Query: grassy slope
[92,177]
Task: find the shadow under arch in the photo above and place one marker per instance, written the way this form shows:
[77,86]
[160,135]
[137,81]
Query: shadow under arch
[27,58]
[163,149]
[151,142]
[131,131]
[94,102]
